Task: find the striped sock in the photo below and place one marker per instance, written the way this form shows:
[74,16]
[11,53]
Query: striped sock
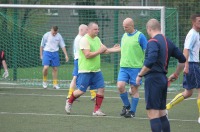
[71,90]
[178,98]
[198,104]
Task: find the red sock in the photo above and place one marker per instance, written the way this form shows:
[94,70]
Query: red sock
[72,98]
[99,100]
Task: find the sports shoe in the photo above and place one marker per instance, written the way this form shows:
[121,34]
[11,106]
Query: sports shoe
[68,107]
[129,114]
[168,106]
[199,120]
[98,113]
[124,110]
[44,84]
[56,87]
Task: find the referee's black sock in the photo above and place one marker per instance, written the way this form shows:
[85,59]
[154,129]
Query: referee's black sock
[156,125]
[165,124]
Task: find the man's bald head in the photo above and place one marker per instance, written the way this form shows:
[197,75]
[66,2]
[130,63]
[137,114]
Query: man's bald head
[128,25]
[153,27]
[153,24]
[83,29]
[128,21]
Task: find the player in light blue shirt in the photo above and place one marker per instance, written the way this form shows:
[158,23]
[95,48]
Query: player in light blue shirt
[50,56]
[191,78]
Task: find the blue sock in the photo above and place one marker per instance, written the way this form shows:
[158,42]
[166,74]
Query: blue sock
[156,125]
[134,103]
[124,98]
[165,124]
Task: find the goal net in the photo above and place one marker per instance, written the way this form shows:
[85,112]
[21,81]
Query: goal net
[22,28]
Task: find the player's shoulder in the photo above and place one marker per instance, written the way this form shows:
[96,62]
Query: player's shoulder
[78,37]
[153,40]
[83,39]
[59,35]
[192,32]
[46,34]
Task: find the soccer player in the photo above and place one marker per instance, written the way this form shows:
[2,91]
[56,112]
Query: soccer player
[191,77]
[157,55]
[89,68]
[50,56]
[3,63]
[82,31]
[133,45]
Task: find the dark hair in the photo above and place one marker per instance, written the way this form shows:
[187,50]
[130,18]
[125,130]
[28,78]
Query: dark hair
[55,28]
[194,16]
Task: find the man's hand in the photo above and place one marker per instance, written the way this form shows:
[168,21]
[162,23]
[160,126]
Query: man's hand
[5,74]
[186,70]
[66,58]
[173,77]
[116,46]
[138,79]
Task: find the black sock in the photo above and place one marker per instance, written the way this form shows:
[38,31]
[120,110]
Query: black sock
[165,124]
[156,125]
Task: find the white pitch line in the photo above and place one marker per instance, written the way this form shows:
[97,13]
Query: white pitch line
[63,115]
[87,116]
[27,88]
[46,95]
[5,83]
[64,89]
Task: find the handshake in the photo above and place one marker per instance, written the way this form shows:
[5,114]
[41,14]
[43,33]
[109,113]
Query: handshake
[5,74]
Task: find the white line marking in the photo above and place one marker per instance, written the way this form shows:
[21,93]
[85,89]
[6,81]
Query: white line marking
[4,83]
[64,89]
[45,114]
[43,95]
[87,116]
[48,95]
[36,88]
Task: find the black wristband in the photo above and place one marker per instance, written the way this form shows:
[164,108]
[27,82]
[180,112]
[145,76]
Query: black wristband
[139,75]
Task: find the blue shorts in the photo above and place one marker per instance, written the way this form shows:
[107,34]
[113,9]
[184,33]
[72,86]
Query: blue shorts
[128,75]
[93,79]
[192,79]
[50,59]
[75,70]
[155,91]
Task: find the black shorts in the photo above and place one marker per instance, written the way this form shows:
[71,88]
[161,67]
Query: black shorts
[155,91]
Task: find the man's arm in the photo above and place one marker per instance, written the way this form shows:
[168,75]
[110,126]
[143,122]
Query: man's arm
[175,75]
[65,52]
[143,71]
[186,54]
[5,74]
[183,64]
[41,52]
[43,41]
[88,54]
[115,48]
[152,55]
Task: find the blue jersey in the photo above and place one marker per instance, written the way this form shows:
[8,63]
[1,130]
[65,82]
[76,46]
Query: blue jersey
[141,39]
[158,52]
